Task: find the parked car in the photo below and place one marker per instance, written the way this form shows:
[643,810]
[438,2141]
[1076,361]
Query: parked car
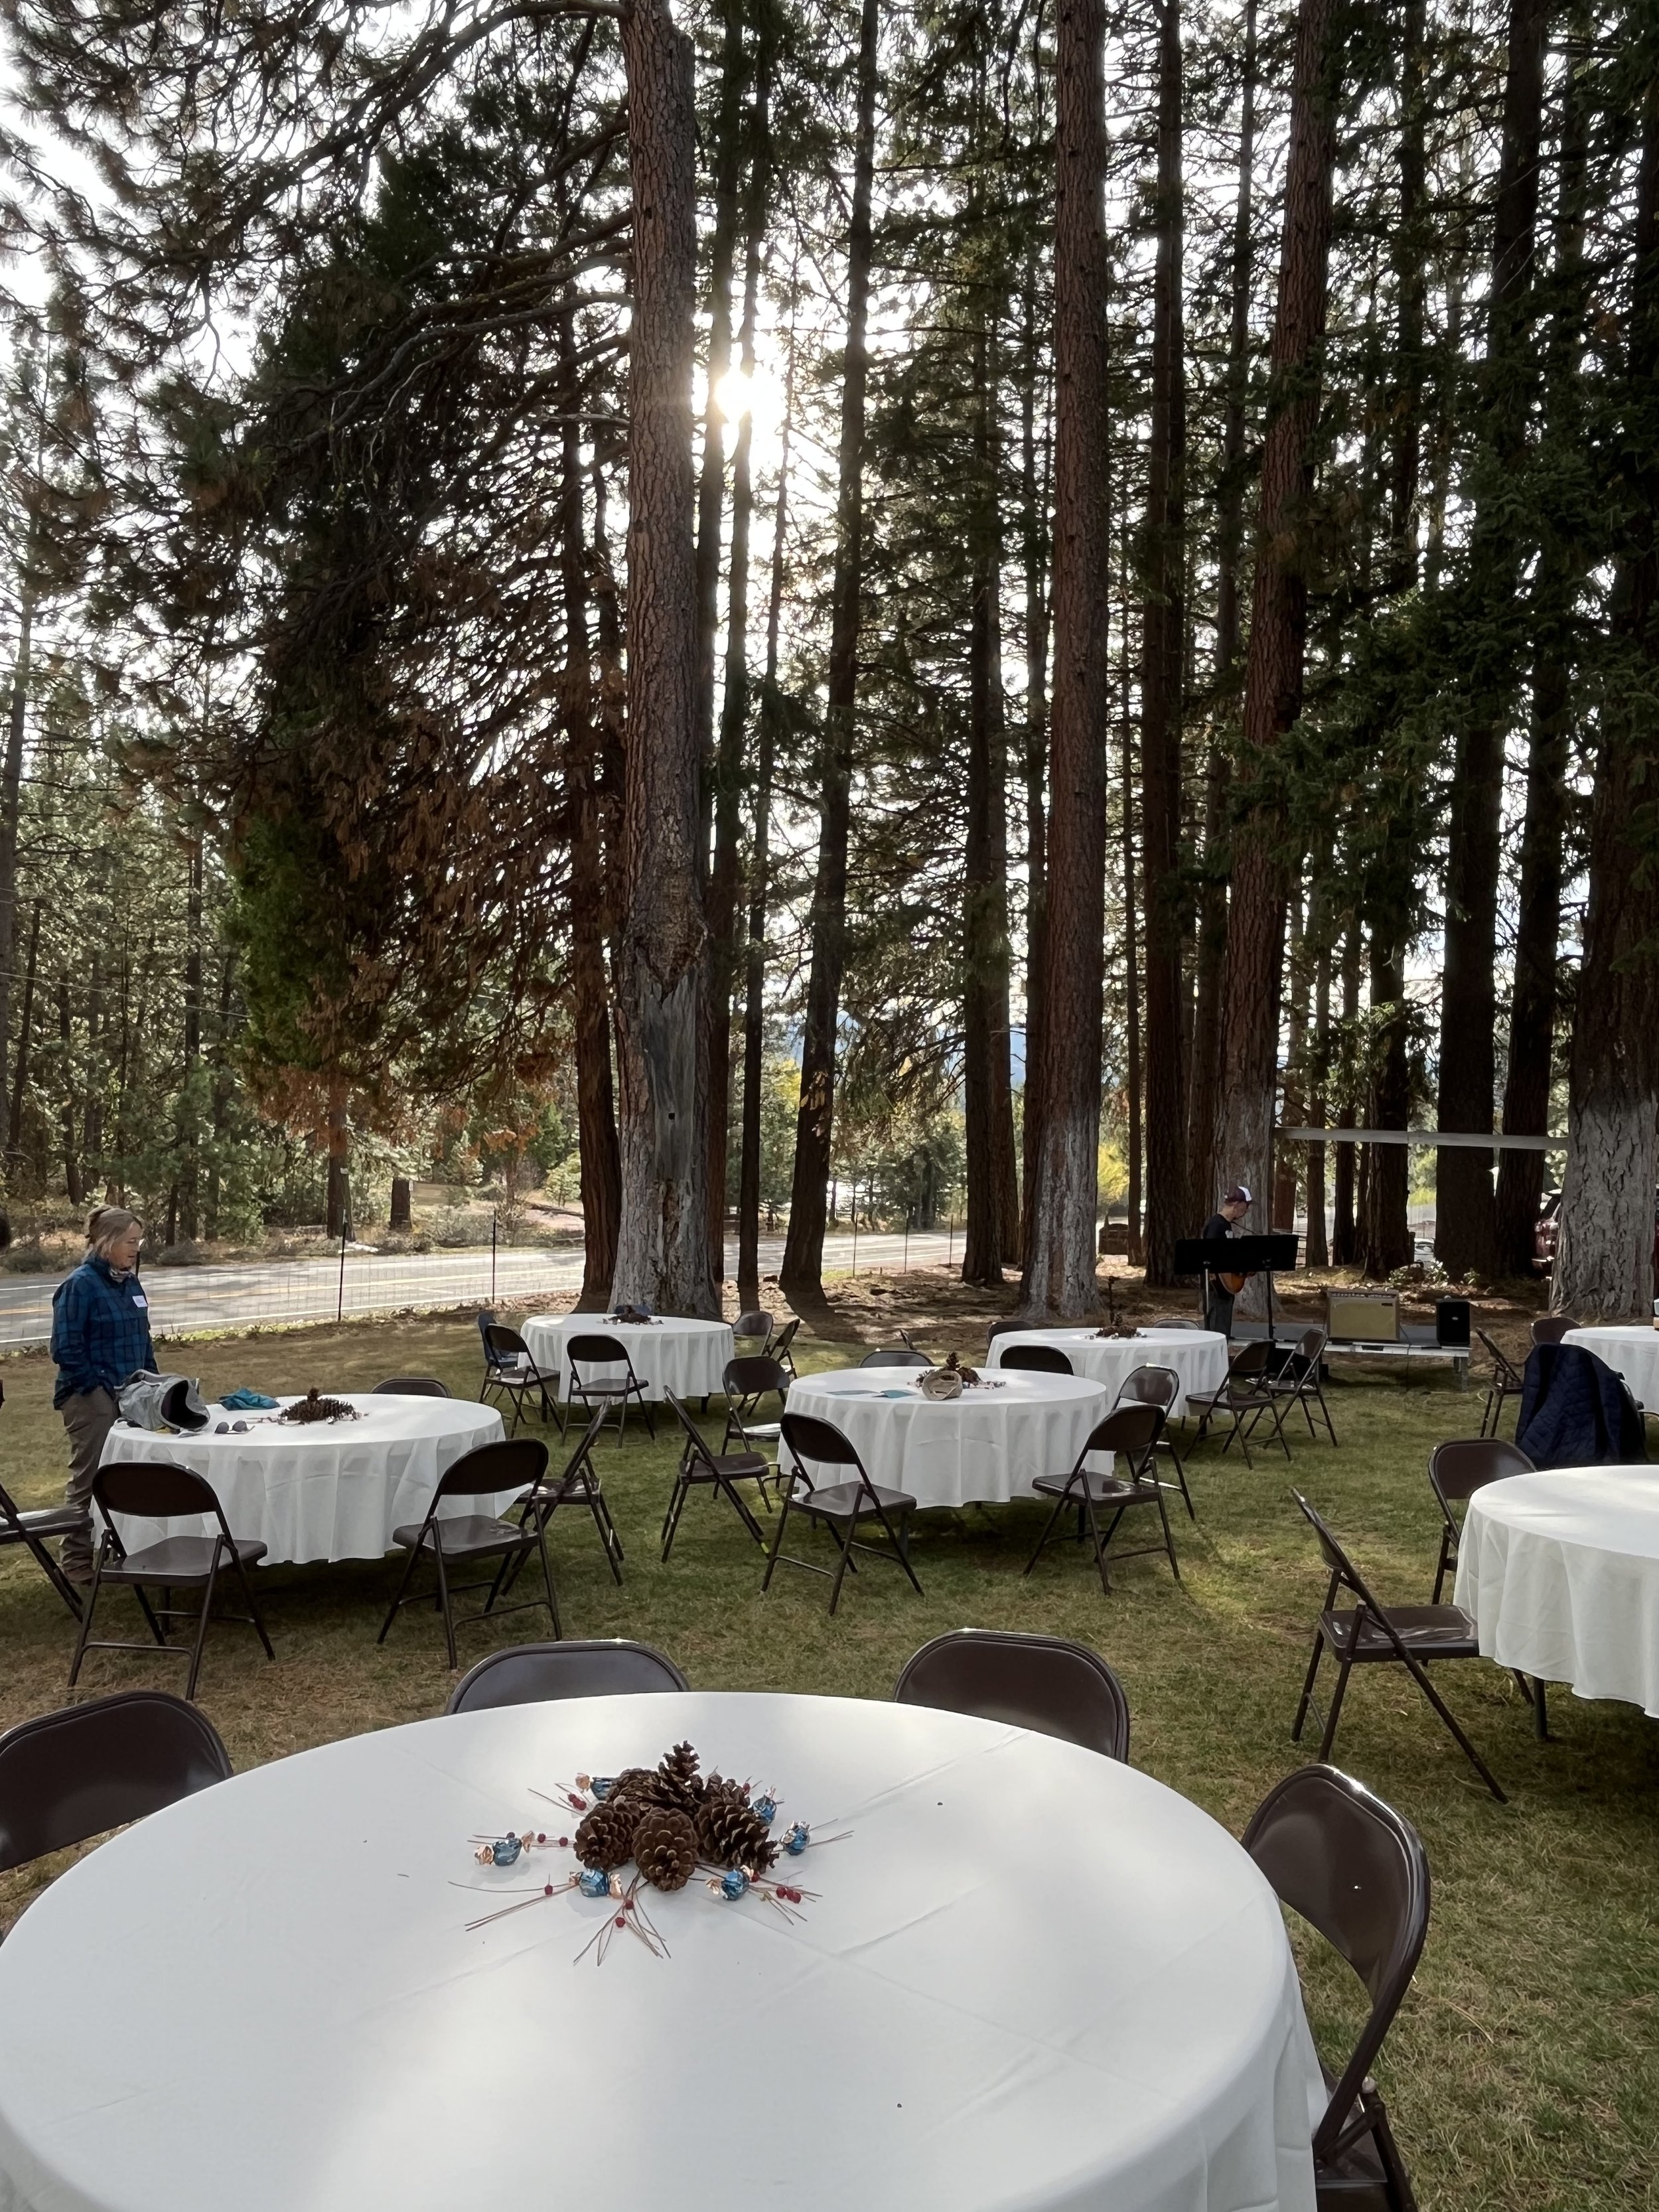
[1547,1227]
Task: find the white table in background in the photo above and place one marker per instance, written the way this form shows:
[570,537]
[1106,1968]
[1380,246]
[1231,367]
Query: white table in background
[1631,1351]
[1199,1356]
[1561,1572]
[1031,1978]
[319,1490]
[686,1357]
[985,1447]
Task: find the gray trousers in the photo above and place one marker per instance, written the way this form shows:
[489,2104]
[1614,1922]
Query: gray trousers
[88,1416]
[1219,1315]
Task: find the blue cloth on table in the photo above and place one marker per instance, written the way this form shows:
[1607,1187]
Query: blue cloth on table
[246,1401]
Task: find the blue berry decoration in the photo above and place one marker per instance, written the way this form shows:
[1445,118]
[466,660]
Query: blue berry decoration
[593,1881]
[602,1785]
[765,1809]
[733,1882]
[506,1850]
[797,1840]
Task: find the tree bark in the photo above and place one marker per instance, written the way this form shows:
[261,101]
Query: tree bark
[1296,1040]
[337,1219]
[19,1072]
[1318,1253]
[74,1189]
[801,1276]
[11,777]
[189,1162]
[1273,679]
[1133,1064]
[662,1242]
[1060,1254]
[1162,659]
[1385,1237]
[1465,1208]
[1344,1244]
[1034,498]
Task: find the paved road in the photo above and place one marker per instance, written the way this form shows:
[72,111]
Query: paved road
[278,1291]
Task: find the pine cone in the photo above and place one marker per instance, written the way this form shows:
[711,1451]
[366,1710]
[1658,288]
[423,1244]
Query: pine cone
[605,1837]
[665,1848]
[731,1833]
[677,1781]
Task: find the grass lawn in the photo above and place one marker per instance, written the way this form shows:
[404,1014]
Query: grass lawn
[1523,2070]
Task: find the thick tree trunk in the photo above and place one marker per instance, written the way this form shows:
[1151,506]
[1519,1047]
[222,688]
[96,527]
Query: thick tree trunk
[1293,1107]
[1133,1063]
[1273,691]
[1060,1254]
[1385,1237]
[662,1242]
[1466,1238]
[1163,660]
[1034,499]
[802,1272]
[190,1162]
[1318,1253]
[1345,1244]
[1604,1255]
[589,994]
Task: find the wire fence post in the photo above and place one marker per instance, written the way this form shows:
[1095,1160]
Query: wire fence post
[906,1268]
[339,1302]
[494,1218]
[950,1240]
[856,1224]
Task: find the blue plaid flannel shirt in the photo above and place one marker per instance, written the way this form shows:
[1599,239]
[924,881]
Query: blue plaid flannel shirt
[99,1329]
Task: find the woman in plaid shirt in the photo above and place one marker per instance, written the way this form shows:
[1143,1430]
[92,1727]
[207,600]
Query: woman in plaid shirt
[99,1336]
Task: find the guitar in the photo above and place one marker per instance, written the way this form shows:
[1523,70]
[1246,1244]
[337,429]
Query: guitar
[1233,1283]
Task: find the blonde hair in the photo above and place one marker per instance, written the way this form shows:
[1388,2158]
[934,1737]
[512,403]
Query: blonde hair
[105,1223]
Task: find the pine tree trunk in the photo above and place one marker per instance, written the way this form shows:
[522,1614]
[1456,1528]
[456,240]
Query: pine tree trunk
[74,1190]
[1293,1109]
[1034,498]
[801,1276]
[1344,1242]
[189,1162]
[1385,1237]
[590,996]
[662,1241]
[91,1120]
[338,1217]
[11,777]
[1466,1233]
[1060,1254]
[1162,658]
[1133,1066]
[19,1072]
[1604,1255]
[1318,1253]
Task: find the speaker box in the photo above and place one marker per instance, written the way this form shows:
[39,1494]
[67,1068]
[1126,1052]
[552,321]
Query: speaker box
[1453,1319]
[1362,1317]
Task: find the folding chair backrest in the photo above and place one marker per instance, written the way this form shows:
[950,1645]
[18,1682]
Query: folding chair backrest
[1550,1329]
[697,1442]
[1252,1357]
[412,1386]
[1311,1346]
[68,1775]
[502,1343]
[1353,1869]
[1503,1366]
[1038,1359]
[1337,1559]
[753,1375]
[535,1674]
[1150,1386]
[597,1350]
[885,1357]
[585,1442]
[1131,1429]
[809,1439]
[785,1338]
[486,1321]
[154,1489]
[753,1324]
[1174,1321]
[510,1463]
[1046,1683]
[1457,1469]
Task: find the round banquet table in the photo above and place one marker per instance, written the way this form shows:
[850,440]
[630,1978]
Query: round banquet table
[686,1357]
[987,1446]
[1631,1351]
[1030,1977]
[322,1490]
[1561,1573]
[1199,1356]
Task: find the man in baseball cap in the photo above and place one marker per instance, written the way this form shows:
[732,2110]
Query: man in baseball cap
[1219,1311]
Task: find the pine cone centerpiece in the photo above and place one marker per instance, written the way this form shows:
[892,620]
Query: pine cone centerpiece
[605,1837]
[731,1833]
[665,1847]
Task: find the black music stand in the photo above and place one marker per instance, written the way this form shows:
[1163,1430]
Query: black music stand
[1238,1255]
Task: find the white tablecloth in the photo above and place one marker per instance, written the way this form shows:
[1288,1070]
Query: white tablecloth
[1633,1352]
[332,1490]
[686,1357]
[987,1445]
[1199,1356]
[1561,1572]
[1032,1978]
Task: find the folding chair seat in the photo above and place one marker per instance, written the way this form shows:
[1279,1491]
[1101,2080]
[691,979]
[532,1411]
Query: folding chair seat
[538,1674]
[1295,1380]
[1037,1359]
[1047,1683]
[514,1463]
[73,1774]
[1159,1387]
[609,1392]
[1133,1430]
[845,1506]
[1366,1634]
[1507,1381]
[1245,1397]
[37,1528]
[720,1472]
[153,1490]
[1358,1874]
[510,1367]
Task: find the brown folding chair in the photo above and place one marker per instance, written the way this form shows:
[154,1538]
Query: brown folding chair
[777,1347]
[34,1529]
[154,1490]
[1246,1396]
[1295,1379]
[1550,1329]
[845,1506]
[896,1356]
[72,1774]
[1355,1871]
[1507,1381]
[1037,1359]
[746,1381]
[1133,1430]
[595,1349]
[514,1463]
[412,1386]
[754,1325]
[1046,1683]
[1456,1471]
[720,1472]
[536,1674]
[579,1485]
[510,1367]
[1368,1634]
[1159,1387]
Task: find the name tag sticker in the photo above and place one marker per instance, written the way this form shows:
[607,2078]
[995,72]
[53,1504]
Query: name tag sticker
[139,1299]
